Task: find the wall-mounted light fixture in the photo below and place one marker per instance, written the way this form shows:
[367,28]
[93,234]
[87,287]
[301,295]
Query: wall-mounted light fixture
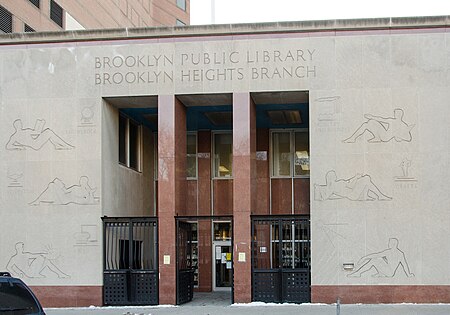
[348,266]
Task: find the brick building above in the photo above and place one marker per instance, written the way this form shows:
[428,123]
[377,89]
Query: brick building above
[17,16]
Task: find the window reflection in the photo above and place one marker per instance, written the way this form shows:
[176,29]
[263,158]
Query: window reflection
[191,151]
[223,154]
[281,154]
[290,153]
[281,244]
[301,156]
[222,231]
[130,143]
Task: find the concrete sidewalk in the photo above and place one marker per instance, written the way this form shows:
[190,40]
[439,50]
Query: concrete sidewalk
[219,303]
[263,309]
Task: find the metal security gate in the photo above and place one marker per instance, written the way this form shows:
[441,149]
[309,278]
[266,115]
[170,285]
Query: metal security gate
[130,275]
[281,259]
[185,271]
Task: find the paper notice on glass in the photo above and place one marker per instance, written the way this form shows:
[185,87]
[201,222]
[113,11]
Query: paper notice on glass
[203,155]
[261,155]
[218,252]
[228,264]
[224,258]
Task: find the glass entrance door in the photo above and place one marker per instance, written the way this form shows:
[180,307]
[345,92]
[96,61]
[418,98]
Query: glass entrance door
[223,265]
[222,256]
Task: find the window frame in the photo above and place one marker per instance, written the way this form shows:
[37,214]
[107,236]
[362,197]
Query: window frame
[138,144]
[127,144]
[22,296]
[291,132]
[213,153]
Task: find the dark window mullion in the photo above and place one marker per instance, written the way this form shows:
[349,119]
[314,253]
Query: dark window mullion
[280,242]
[131,247]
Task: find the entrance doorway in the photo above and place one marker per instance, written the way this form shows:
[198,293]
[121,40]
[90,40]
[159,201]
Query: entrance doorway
[204,259]
[222,261]
[222,266]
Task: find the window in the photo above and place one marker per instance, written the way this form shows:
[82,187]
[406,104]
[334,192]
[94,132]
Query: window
[222,231]
[281,243]
[122,139]
[16,299]
[124,250]
[290,153]
[181,4]
[191,156]
[223,154]
[5,20]
[129,143]
[133,131]
[281,150]
[180,23]
[36,3]
[28,29]
[301,154]
[191,151]
[56,13]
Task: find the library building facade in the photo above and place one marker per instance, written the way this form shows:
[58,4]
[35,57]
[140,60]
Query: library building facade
[294,162]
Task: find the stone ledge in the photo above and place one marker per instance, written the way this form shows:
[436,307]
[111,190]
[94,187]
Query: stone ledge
[228,29]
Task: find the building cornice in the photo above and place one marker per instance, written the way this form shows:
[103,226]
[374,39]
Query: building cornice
[393,23]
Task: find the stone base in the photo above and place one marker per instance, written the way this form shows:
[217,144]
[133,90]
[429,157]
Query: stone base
[374,294]
[69,296]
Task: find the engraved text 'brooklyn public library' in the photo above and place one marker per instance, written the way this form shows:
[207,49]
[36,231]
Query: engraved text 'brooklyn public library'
[205,66]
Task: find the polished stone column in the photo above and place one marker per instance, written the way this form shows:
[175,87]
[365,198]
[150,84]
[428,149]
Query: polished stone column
[244,186]
[205,260]
[171,188]
[204,173]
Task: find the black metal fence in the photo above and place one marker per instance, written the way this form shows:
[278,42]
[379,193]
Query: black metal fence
[281,259]
[130,275]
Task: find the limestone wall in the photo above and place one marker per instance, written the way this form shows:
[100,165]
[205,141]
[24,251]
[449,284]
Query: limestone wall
[383,197]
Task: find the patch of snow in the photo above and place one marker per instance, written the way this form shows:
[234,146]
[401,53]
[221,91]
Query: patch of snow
[112,307]
[263,304]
